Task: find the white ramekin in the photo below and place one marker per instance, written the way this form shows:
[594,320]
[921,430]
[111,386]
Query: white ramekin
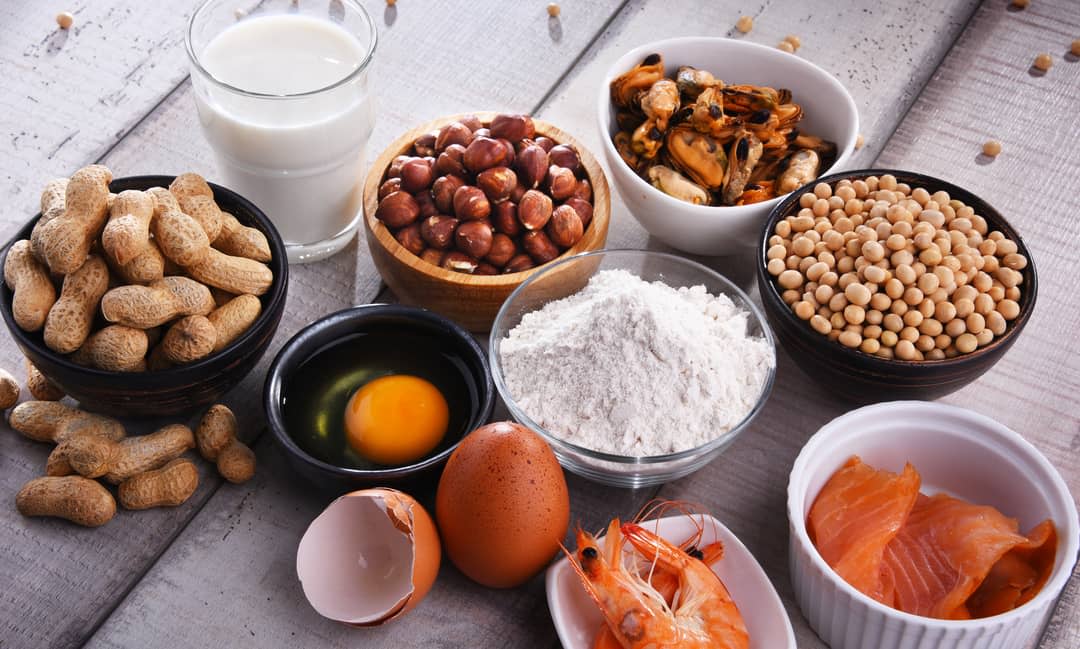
[954,450]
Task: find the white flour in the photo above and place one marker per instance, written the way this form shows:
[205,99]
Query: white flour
[636,368]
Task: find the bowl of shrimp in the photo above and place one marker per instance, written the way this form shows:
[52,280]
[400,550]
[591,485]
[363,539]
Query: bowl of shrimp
[704,136]
[676,580]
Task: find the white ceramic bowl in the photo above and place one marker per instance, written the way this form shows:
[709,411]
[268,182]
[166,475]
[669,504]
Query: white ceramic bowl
[956,451]
[577,619]
[828,109]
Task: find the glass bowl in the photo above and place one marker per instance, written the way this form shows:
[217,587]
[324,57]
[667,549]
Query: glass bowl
[569,276]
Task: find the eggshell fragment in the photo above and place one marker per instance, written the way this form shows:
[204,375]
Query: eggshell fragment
[502,505]
[370,557]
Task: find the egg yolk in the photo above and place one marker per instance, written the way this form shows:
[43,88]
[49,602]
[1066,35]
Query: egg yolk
[396,419]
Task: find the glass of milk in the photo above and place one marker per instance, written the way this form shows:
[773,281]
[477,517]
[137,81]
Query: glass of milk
[284,100]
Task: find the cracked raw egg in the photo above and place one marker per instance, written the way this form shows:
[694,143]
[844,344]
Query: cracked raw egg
[370,557]
[396,419]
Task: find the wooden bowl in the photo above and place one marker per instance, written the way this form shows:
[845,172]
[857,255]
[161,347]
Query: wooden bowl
[865,378]
[470,300]
[178,389]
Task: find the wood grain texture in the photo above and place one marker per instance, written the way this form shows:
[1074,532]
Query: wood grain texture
[470,300]
[67,580]
[273,513]
[71,94]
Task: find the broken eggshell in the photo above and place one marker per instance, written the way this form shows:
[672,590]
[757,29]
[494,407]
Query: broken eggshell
[370,557]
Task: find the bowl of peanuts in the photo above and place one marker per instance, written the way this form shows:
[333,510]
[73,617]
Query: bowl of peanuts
[142,295]
[887,284]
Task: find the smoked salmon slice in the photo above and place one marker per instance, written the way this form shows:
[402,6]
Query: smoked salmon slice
[858,512]
[935,556]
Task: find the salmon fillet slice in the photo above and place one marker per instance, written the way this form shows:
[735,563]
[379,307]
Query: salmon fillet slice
[1019,575]
[943,552]
[858,512]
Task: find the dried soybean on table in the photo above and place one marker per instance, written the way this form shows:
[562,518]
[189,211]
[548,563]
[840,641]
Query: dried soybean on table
[933,79]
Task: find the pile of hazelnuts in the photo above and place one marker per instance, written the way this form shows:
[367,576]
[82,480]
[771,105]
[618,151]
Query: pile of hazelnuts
[486,199]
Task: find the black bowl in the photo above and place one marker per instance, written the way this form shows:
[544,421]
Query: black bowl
[178,389]
[372,319]
[865,378]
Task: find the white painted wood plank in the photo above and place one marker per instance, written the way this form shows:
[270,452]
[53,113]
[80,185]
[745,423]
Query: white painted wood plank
[428,64]
[70,95]
[457,613]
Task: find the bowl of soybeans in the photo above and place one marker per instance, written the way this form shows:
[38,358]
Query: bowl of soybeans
[886,284]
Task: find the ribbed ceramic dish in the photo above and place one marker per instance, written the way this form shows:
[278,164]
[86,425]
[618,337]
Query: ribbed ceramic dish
[956,451]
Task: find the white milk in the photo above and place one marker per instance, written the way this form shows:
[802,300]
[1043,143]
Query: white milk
[297,157]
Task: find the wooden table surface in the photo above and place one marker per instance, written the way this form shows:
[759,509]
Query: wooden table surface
[933,80]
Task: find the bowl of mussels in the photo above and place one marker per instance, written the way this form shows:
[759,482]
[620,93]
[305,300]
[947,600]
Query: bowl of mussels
[704,136]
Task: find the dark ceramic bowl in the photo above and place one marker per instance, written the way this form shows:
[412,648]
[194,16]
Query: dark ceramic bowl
[865,378]
[376,321]
[175,390]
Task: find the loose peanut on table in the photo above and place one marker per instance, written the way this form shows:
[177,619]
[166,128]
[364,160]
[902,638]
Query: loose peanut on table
[41,388]
[169,486]
[50,421]
[116,461]
[218,442]
[917,273]
[77,499]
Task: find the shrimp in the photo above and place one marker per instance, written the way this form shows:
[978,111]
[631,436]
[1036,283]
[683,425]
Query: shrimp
[703,615]
[665,583]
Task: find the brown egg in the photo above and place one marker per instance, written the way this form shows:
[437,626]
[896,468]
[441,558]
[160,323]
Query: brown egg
[502,505]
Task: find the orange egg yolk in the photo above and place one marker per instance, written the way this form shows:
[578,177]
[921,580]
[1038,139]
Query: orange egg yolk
[396,419]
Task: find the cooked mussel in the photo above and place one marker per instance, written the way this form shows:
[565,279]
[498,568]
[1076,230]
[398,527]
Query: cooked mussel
[626,150]
[627,87]
[709,116]
[697,155]
[748,99]
[647,139]
[628,120]
[675,184]
[803,166]
[823,148]
[745,152]
[692,82]
[660,102]
[757,192]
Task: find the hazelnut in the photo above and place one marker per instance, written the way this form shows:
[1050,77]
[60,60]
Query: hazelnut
[474,238]
[518,191]
[539,246]
[470,203]
[483,131]
[438,231]
[560,182]
[432,256]
[453,133]
[505,218]
[426,203]
[394,170]
[545,143]
[450,161]
[512,127]
[583,190]
[534,210]
[496,183]
[565,156]
[409,237]
[397,210]
[502,249]
[472,121]
[459,261]
[443,192]
[532,165]
[425,144]
[518,263]
[583,208]
[416,174]
[389,187]
[565,227]
[484,153]
[510,154]
[484,268]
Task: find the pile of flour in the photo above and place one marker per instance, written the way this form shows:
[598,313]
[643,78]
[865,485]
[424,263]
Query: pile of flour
[636,368]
